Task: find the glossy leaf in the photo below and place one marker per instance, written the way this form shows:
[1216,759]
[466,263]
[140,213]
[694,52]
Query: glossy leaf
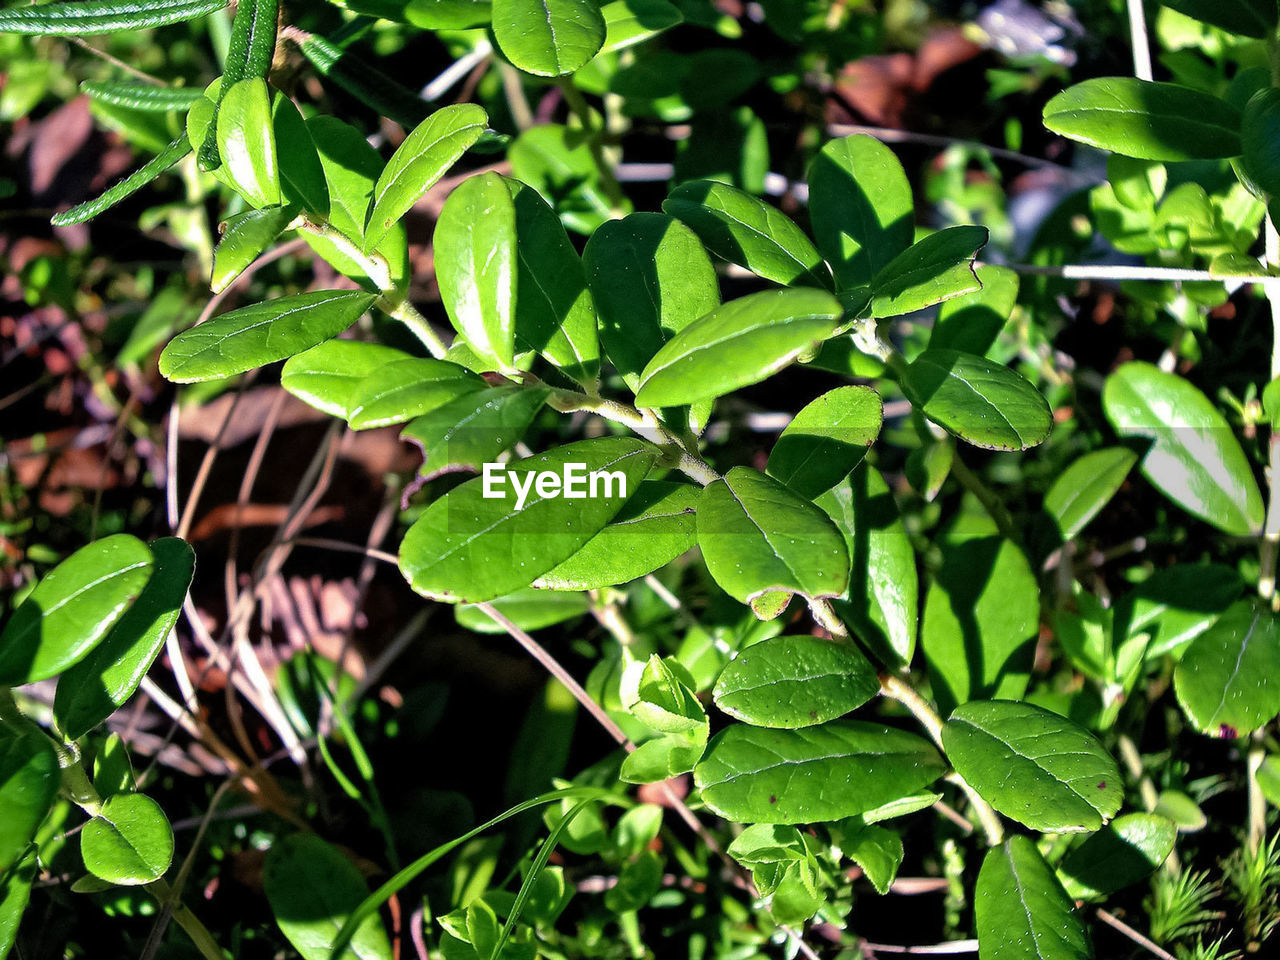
[364,81]
[628,22]
[29,781]
[1147,120]
[528,609]
[129,842]
[313,889]
[469,547]
[549,38]
[760,540]
[1226,679]
[1194,458]
[654,527]
[747,231]
[557,162]
[15,893]
[882,598]
[877,850]
[1175,605]
[738,344]
[860,206]
[936,269]
[1022,912]
[650,277]
[978,400]
[1085,487]
[474,429]
[302,175]
[1120,854]
[260,334]
[247,142]
[419,162]
[328,375]
[795,682]
[446,14]
[101,16]
[1039,768]
[475,257]
[555,314]
[403,389]
[245,237]
[981,620]
[126,187]
[828,772]
[972,322]
[826,440]
[146,97]
[72,608]
[1260,140]
[95,687]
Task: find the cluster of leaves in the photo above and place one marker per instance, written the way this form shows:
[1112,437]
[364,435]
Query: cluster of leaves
[587,335]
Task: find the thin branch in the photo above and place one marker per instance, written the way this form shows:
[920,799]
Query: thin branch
[932,950]
[1113,921]
[1120,272]
[1138,38]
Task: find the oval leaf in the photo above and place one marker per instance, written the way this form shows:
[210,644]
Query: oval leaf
[129,843]
[260,334]
[938,268]
[1147,120]
[328,375]
[826,440]
[549,38]
[738,344]
[474,429]
[419,162]
[1087,486]
[1194,458]
[1039,768]
[467,546]
[1022,912]
[95,687]
[1226,679]
[247,142]
[1120,854]
[818,774]
[29,781]
[102,16]
[72,608]
[759,540]
[528,609]
[971,323]
[978,400]
[795,682]
[405,389]
[245,237]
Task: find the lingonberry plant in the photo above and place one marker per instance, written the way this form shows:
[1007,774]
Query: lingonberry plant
[936,608]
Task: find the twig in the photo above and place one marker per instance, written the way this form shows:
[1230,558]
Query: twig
[936,949]
[1138,38]
[1135,272]
[1113,921]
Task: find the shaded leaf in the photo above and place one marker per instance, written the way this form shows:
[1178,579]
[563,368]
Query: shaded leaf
[29,781]
[245,237]
[1085,487]
[1120,854]
[404,389]
[473,429]
[971,323]
[126,187]
[1226,680]
[141,96]
[826,440]
[936,269]
[129,842]
[1022,912]
[628,22]
[528,609]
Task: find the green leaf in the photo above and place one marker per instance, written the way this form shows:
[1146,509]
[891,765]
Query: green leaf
[365,82]
[419,162]
[475,258]
[654,527]
[328,375]
[660,759]
[528,609]
[1021,910]
[1119,855]
[554,313]
[72,608]
[1182,810]
[740,343]
[141,96]
[126,187]
[253,41]
[860,206]
[758,539]
[659,693]
[981,620]
[1260,140]
[757,775]
[795,682]
[1226,679]
[302,176]
[1039,768]
[557,162]
[245,237]
[112,769]
[877,850]
[650,277]
[15,892]
[972,322]
[1176,605]
[101,16]
[260,334]
[1085,487]
[1269,779]
[1147,120]
[938,268]
[826,440]
[404,389]
[129,842]
[548,38]
[474,429]
[446,14]
[29,781]
[469,547]
[1194,458]
[247,142]
[881,601]
[747,231]
[628,22]
[1253,18]
[928,467]
[95,687]
[313,889]
[978,400]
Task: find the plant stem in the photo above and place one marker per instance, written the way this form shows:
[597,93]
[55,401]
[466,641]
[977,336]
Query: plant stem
[1257,802]
[1269,546]
[987,497]
[188,921]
